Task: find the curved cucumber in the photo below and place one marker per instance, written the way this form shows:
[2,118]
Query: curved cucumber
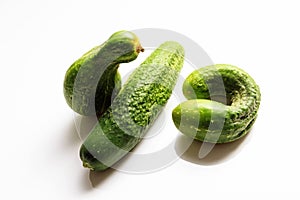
[212,121]
[134,109]
[93,80]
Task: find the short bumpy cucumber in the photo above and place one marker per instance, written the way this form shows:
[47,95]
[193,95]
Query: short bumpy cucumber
[212,121]
[134,109]
[93,80]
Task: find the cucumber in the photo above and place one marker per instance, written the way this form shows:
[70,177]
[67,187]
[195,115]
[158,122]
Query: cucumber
[212,121]
[93,80]
[134,109]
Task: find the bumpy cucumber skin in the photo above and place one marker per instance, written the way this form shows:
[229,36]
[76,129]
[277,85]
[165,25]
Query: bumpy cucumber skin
[134,109]
[92,82]
[230,122]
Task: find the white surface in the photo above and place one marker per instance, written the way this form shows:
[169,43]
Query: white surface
[39,143]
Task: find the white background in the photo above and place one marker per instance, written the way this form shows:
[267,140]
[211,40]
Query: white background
[39,143]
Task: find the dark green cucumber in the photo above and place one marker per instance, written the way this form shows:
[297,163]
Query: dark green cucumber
[134,109]
[212,121]
[93,80]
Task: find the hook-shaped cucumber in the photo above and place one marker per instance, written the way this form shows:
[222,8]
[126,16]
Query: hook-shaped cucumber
[93,80]
[206,120]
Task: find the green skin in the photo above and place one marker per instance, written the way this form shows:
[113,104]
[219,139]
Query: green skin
[92,82]
[212,121]
[134,109]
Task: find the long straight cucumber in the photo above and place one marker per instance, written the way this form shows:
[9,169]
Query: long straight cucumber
[134,109]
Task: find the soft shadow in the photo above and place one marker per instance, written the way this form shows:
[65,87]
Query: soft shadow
[83,125]
[78,129]
[72,136]
[98,178]
[219,154]
[85,182]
